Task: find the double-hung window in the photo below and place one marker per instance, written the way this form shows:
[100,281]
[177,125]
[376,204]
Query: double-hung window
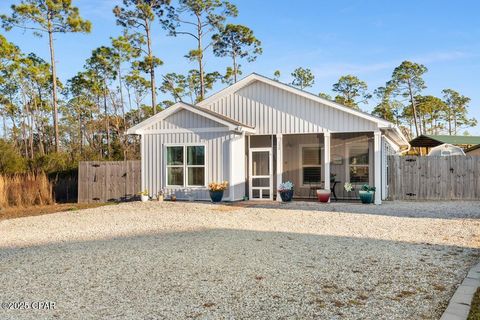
[358,162]
[311,171]
[186,166]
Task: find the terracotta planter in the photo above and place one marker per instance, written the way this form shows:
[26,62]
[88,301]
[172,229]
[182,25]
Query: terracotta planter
[323,195]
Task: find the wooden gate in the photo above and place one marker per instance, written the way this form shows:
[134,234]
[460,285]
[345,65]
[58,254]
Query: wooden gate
[105,181]
[434,178]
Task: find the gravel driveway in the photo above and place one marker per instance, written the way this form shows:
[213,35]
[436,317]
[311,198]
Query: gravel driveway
[401,260]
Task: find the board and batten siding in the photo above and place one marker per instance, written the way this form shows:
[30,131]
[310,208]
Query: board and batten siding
[185,119]
[272,110]
[154,167]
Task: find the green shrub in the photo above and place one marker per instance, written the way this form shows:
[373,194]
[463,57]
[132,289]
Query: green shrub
[10,159]
[53,162]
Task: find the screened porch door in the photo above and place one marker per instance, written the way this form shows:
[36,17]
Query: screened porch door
[261,174]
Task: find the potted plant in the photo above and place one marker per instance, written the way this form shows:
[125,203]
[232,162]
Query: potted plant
[323,195]
[144,195]
[160,196]
[216,190]
[367,193]
[348,187]
[286,191]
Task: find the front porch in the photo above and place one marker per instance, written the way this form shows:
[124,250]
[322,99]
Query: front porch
[314,161]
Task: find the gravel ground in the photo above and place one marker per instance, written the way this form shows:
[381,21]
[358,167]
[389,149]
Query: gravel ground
[401,260]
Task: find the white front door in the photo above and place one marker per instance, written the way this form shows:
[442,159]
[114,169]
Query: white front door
[261,174]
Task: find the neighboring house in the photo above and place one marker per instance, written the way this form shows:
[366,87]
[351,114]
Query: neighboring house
[473,151]
[430,141]
[259,132]
[446,150]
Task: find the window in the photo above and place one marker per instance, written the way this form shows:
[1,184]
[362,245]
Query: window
[358,162]
[196,165]
[186,166]
[311,173]
[175,170]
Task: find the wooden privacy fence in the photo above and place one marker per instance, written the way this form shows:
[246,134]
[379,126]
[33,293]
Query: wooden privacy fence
[434,178]
[104,181]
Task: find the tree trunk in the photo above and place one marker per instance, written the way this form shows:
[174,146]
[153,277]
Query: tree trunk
[39,130]
[152,68]
[455,122]
[54,90]
[200,59]
[24,138]
[30,138]
[414,111]
[107,122]
[234,68]
[449,120]
[80,133]
[121,92]
[25,123]
[4,119]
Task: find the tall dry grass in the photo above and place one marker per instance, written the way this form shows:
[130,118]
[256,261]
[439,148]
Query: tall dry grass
[23,190]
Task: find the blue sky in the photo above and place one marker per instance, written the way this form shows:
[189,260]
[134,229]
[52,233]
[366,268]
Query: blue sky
[332,38]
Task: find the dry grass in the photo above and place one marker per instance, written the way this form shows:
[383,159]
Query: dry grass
[25,190]
[18,212]
[475,307]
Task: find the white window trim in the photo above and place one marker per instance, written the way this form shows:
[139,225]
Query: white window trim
[251,177]
[174,166]
[185,166]
[301,166]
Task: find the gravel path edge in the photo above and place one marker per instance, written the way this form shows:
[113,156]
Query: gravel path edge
[459,306]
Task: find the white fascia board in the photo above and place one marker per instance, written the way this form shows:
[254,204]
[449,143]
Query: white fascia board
[394,145]
[230,89]
[159,116]
[397,137]
[139,128]
[209,116]
[185,130]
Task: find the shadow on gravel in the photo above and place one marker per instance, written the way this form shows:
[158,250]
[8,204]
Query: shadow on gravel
[409,209]
[238,274]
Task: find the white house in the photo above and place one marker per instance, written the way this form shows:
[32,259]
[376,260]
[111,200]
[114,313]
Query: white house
[259,132]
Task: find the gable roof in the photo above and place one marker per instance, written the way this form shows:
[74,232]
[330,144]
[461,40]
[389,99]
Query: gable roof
[473,148]
[219,118]
[382,123]
[436,140]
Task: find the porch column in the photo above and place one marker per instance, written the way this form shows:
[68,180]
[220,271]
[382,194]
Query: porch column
[326,156]
[377,164]
[279,163]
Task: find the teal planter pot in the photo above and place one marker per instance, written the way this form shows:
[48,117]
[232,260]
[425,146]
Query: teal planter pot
[366,196]
[286,195]
[216,196]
